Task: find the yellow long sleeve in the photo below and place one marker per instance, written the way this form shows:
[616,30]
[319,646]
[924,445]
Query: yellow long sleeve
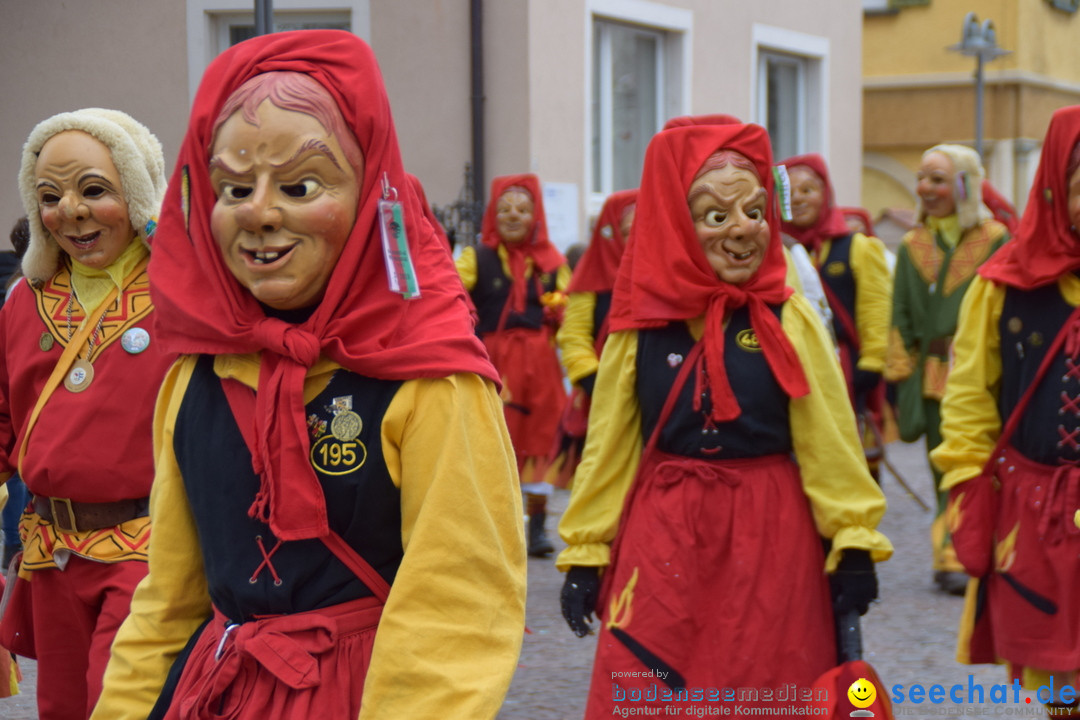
[466,267]
[873,300]
[846,503]
[970,421]
[450,634]
[577,337]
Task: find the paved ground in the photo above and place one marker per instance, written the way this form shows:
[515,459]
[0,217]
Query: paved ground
[908,636]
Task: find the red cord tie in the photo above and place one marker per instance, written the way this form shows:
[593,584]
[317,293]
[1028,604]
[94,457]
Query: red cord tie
[266,563]
[1068,438]
[1069,404]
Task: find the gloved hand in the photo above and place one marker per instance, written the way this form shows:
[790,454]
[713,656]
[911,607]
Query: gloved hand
[587,384]
[865,381]
[578,598]
[854,584]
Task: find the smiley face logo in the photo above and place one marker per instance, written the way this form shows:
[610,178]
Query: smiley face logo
[862,693]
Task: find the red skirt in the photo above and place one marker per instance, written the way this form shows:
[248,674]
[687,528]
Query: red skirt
[305,665]
[1033,590]
[717,583]
[533,393]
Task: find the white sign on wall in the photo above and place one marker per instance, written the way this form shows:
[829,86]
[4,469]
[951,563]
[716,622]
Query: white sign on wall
[561,209]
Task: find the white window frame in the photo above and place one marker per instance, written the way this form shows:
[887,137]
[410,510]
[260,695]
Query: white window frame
[208,19]
[813,52]
[674,28]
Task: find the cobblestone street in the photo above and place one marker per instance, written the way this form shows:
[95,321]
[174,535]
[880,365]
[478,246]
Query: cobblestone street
[909,635]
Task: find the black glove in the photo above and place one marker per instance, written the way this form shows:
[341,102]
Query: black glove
[866,381]
[578,598]
[854,584]
[587,384]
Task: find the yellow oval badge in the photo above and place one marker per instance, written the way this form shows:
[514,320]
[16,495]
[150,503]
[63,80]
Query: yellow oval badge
[332,456]
[836,268]
[747,340]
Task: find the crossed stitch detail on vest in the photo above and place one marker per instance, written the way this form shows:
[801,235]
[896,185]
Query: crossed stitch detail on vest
[266,563]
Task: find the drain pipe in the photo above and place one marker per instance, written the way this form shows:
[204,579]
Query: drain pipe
[476,64]
[264,17]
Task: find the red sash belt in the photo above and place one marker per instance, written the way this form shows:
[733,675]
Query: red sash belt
[286,646]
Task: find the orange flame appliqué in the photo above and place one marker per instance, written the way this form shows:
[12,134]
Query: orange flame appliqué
[622,609]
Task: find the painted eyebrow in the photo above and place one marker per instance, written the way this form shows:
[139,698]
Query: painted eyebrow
[707,190]
[217,162]
[312,144]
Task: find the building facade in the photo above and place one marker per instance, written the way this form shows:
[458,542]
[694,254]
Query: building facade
[918,92]
[569,89]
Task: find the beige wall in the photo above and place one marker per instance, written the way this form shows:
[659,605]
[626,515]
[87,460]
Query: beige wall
[423,51]
[59,55]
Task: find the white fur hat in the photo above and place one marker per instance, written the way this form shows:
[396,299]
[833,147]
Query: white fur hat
[137,155]
[967,188]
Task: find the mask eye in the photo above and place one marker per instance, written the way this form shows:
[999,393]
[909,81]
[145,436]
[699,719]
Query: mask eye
[93,191]
[234,192]
[715,218]
[302,189]
[49,198]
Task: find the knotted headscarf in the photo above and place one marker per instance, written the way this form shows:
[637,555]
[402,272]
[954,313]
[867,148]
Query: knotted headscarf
[359,323]
[598,267]
[666,277]
[1046,245]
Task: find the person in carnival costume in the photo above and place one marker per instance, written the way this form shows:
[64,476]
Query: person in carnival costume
[936,262]
[856,281]
[721,447]
[80,369]
[517,280]
[338,525]
[584,329]
[1010,432]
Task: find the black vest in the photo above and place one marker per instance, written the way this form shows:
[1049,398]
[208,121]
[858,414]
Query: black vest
[836,274]
[492,290]
[763,427]
[600,311]
[1030,320]
[364,505]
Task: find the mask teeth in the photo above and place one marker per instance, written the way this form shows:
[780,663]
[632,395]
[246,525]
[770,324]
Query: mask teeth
[783,191]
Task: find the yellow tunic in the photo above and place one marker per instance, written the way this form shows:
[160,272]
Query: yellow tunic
[845,502]
[448,641]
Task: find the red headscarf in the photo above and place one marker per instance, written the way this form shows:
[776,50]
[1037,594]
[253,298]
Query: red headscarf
[830,222]
[1045,247]
[862,214]
[686,120]
[545,256]
[666,277]
[599,265]
[1003,210]
[360,323]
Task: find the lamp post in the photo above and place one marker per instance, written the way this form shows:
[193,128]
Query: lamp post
[980,40]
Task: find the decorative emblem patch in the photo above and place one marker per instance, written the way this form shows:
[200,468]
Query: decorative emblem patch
[835,269]
[674,359]
[747,340]
[1015,325]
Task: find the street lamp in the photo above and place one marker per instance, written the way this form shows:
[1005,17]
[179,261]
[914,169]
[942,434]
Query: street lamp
[979,40]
